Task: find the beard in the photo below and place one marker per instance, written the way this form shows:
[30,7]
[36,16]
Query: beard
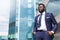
[41,11]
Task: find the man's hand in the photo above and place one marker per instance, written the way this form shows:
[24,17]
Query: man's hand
[34,33]
[50,33]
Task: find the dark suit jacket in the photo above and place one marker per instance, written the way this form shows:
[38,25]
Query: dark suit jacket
[49,20]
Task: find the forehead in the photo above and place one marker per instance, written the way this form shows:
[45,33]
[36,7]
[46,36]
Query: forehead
[41,6]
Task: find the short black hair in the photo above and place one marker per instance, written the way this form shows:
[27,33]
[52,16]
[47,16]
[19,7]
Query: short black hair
[41,4]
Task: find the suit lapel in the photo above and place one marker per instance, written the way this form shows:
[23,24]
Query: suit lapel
[45,19]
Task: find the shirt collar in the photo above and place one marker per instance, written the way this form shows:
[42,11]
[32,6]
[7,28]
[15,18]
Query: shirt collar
[43,13]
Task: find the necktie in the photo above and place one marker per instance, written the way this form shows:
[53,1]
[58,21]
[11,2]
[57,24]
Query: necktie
[40,20]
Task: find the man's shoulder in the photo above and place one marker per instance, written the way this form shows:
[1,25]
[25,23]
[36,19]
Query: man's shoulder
[48,13]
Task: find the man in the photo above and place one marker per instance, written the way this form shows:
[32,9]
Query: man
[45,24]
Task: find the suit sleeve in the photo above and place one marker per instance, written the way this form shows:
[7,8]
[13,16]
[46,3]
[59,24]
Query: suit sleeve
[34,28]
[55,27]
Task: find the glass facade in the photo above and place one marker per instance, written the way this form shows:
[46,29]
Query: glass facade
[12,21]
[53,6]
[26,19]
[3,37]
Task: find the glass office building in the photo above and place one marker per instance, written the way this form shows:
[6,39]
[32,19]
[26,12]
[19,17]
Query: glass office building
[26,19]
[3,37]
[13,29]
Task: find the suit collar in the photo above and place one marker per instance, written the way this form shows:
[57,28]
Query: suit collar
[42,13]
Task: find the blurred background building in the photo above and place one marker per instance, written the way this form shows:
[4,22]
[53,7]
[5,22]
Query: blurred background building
[26,19]
[13,21]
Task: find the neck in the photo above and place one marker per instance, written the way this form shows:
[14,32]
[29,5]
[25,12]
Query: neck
[41,11]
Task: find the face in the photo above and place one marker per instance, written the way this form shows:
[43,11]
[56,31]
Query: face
[41,8]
